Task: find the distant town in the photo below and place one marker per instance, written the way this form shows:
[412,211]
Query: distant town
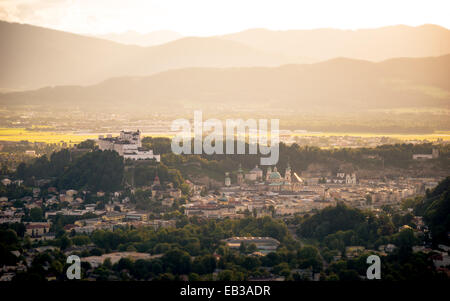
[58,214]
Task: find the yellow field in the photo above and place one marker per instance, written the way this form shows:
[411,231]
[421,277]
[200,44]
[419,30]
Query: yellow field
[430,137]
[20,134]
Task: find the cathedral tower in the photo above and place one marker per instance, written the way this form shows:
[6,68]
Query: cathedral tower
[287,174]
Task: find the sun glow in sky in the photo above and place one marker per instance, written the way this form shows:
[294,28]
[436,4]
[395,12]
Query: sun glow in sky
[211,17]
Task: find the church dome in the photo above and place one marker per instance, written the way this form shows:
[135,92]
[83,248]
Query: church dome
[256,169]
[275,175]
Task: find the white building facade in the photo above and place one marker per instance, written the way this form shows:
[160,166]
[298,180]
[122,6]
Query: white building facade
[127,145]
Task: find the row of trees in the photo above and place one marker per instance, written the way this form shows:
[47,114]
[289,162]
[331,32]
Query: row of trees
[96,170]
[338,227]
[195,236]
[188,249]
[300,157]
[102,170]
[435,208]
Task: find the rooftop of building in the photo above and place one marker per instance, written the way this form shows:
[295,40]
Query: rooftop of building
[253,239]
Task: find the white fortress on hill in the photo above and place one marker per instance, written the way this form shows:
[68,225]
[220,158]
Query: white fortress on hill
[128,145]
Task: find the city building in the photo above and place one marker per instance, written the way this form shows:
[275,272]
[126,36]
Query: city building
[256,174]
[434,155]
[127,145]
[263,244]
[273,181]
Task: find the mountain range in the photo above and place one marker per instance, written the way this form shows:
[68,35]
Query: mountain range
[147,39]
[366,44]
[339,83]
[33,57]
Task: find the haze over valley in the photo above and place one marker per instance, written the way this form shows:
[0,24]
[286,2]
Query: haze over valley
[34,57]
[389,79]
[212,140]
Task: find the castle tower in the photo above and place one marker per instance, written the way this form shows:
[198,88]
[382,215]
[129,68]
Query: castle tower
[287,174]
[137,138]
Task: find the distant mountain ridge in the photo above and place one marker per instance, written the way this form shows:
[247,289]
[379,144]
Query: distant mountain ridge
[366,44]
[337,84]
[147,39]
[32,57]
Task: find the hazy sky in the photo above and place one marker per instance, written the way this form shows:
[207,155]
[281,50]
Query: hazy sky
[210,17]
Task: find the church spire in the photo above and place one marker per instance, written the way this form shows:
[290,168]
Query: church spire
[287,174]
[240,175]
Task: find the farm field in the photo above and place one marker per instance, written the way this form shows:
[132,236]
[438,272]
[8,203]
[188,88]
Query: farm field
[444,135]
[21,134]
